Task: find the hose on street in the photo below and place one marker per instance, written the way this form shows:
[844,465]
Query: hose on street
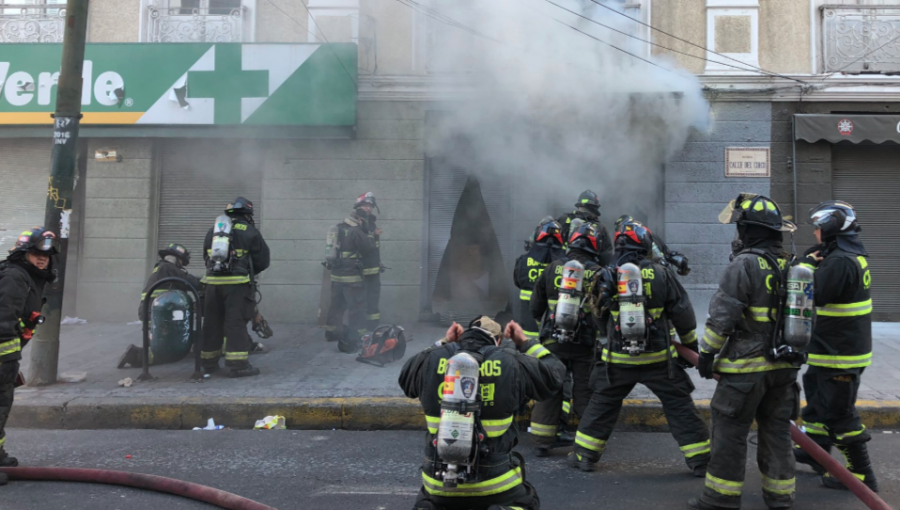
[859,489]
[181,488]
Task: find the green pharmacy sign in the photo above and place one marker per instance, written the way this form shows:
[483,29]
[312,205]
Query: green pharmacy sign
[187,84]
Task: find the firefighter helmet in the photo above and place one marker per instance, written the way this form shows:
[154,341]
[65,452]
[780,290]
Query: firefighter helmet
[634,236]
[547,231]
[177,251]
[753,209]
[834,217]
[240,206]
[39,240]
[622,219]
[584,238]
[588,199]
[367,198]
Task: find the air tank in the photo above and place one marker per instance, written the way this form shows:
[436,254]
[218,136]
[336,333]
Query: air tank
[798,310]
[456,431]
[568,305]
[632,318]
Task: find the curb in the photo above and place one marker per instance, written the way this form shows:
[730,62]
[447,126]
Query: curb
[372,413]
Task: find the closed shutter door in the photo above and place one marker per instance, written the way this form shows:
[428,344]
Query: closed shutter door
[198,179]
[868,176]
[447,182]
[24,170]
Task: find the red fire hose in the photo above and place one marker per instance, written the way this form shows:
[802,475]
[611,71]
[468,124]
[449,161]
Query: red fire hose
[203,493]
[859,489]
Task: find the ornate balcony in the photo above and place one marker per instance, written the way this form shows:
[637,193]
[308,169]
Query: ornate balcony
[861,39]
[31,23]
[198,24]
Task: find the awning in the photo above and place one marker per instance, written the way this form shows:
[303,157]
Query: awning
[852,128]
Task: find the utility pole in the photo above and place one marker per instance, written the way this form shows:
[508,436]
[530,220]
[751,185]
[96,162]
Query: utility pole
[45,345]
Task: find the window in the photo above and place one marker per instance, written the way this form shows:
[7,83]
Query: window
[861,39]
[30,21]
[198,21]
[203,7]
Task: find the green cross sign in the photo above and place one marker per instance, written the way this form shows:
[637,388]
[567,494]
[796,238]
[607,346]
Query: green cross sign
[227,84]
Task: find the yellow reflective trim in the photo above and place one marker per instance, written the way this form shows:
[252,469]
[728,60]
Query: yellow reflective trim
[713,339]
[656,312]
[722,486]
[782,487]
[846,309]
[532,335]
[502,483]
[815,428]
[539,429]
[692,450]
[808,266]
[689,338]
[10,347]
[644,358]
[566,407]
[210,354]
[225,280]
[347,279]
[236,356]
[496,428]
[750,365]
[371,271]
[432,422]
[591,443]
[537,351]
[525,295]
[863,263]
[552,303]
[841,437]
[822,360]
[759,314]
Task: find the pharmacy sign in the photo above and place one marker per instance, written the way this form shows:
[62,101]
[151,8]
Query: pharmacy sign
[187,84]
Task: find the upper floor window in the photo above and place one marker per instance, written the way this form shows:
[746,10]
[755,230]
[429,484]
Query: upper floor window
[860,39]
[198,21]
[31,21]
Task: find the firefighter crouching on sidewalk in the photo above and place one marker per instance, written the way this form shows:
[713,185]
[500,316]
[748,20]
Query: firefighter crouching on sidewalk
[577,354]
[508,377]
[653,363]
[740,329]
[546,246]
[229,300]
[23,275]
[841,346]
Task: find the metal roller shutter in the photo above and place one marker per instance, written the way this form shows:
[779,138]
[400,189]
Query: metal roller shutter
[868,176]
[198,178]
[24,168]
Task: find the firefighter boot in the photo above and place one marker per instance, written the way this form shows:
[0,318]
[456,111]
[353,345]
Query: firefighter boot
[6,460]
[581,462]
[802,457]
[133,356]
[4,479]
[244,371]
[857,456]
[564,439]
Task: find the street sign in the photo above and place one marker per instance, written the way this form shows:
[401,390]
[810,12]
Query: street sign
[187,84]
[747,162]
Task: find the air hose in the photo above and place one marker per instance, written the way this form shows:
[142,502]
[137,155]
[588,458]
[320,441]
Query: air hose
[854,484]
[181,488]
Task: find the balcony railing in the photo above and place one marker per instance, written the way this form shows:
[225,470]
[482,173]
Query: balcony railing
[861,39]
[173,25]
[31,23]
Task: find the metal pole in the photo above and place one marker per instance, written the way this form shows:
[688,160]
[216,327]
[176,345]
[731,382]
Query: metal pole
[794,164]
[45,346]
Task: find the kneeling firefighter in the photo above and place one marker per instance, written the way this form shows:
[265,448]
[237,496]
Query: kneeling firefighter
[757,360]
[167,348]
[546,246]
[23,275]
[639,349]
[568,330]
[841,347]
[470,389]
[661,253]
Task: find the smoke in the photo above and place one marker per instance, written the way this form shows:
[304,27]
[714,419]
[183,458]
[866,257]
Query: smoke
[558,109]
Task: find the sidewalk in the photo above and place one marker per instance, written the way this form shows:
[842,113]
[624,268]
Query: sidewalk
[314,385]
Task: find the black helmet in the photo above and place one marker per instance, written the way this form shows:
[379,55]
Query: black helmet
[240,206]
[36,240]
[548,231]
[622,219]
[588,199]
[834,217]
[178,251]
[584,238]
[632,235]
[367,198]
[753,209]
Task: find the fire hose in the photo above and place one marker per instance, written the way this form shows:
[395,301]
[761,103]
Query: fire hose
[181,488]
[854,484]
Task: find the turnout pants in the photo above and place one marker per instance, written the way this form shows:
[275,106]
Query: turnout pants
[613,382]
[522,497]
[522,313]
[546,415]
[227,310]
[772,398]
[8,372]
[830,416]
[373,296]
[351,298]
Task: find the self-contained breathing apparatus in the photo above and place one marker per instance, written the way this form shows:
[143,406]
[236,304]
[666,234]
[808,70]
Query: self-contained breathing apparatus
[221,253]
[569,309]
[460,439]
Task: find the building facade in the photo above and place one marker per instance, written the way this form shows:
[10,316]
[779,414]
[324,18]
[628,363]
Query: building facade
[778,75]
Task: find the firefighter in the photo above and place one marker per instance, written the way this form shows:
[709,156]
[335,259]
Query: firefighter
[348,289]
[661,253]
[841,346]
[510,375]
[577,355]
[23,275]
[588,209]
[754,384]
[230,302]
[653,364]
[546,246]
[372,267]
[172,262]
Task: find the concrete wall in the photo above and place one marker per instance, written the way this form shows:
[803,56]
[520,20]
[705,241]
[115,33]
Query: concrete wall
[310,185]
[117,229]
[687,20]
[272,25]
[697,191]
[784,36]
[114,21]
[385,37]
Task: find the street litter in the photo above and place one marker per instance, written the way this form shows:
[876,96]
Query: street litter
[127,382]
[210,425]
[270,423]
[72,377]
[73,320]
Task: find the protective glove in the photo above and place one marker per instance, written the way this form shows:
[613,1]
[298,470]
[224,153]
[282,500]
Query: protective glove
[706,365]
[685,363]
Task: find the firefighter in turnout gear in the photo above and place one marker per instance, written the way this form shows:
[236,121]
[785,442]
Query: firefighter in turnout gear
[588,209]
[509,376]
[172,262]
[651,361]
[348,288]
[578,353]
[841,346]
[372,267]
[743,316]
[229,298]
[23,275]
[661,253]
[546,246]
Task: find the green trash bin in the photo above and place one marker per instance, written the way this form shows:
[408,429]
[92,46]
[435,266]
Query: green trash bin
[171,315]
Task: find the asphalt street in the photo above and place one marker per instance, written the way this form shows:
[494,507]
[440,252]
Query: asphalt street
[331,470]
